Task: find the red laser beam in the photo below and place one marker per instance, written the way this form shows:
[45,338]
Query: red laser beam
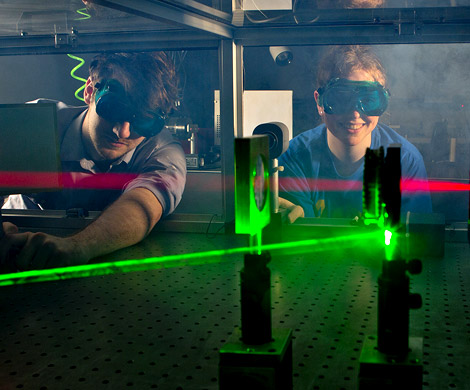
[407,185]
[102,181]
[54,180]
[434,186]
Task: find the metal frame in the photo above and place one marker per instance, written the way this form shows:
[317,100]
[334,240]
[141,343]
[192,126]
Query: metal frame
[92,42]
[229,111]
[199,26]
[185,13]
[365,26]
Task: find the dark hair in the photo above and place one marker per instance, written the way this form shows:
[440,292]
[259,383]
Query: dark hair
[339,61]
[149,78]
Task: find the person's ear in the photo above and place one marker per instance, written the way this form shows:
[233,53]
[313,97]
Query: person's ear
[88,91]
[316,95]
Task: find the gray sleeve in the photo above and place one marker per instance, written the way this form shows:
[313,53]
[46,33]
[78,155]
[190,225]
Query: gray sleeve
[163,172]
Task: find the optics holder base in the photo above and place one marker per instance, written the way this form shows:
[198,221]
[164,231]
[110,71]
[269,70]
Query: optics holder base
[382,371]
[262,367]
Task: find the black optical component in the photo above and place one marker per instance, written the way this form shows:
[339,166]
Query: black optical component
[341,96]
[113,105]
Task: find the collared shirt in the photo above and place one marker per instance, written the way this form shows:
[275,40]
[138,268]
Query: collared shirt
[158,163]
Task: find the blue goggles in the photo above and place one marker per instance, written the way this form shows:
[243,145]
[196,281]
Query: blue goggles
[113,105]
[341,96]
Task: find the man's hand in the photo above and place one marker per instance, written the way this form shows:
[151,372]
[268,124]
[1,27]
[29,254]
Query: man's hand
[9,228]
[126,222]
[39,250]
[290,210]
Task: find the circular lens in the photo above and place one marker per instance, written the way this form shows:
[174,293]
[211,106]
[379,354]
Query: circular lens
[259,183]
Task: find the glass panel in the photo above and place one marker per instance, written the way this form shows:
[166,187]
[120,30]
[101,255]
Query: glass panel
[428,106]
[33,17]
[60,77]
[336,4]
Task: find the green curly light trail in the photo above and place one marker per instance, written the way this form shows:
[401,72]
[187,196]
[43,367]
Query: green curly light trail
[72,73]
[199,258]
[81,11]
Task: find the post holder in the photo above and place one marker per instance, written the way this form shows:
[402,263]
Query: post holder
[256,356]
[393,360]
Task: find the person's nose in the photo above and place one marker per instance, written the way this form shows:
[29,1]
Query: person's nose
[355,114]
[122,130]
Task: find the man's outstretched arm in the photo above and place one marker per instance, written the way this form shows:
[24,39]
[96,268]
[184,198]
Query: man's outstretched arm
[125,222]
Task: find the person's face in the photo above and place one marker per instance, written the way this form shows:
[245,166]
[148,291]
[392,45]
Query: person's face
[107,141]
[351,128]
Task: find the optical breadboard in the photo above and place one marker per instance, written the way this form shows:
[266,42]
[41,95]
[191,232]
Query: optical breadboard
[163,329]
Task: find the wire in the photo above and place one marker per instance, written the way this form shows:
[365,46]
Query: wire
[294,10]
[209,225]
[214,235]
[273,19]
[178,59]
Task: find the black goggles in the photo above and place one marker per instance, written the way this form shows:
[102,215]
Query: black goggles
[113,105]
[341,96]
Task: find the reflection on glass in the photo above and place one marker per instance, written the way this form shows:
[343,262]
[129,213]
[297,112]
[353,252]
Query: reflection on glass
[350,98]
[350,3]
[428,107]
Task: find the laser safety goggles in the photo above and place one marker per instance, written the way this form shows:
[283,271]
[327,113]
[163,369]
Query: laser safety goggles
[341,96]
[113,104]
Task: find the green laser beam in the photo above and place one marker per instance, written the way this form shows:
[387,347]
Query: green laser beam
[198,258]
[392,245]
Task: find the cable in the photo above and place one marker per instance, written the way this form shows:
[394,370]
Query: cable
[294,10]
[273,19]
[209,225]
[214,235]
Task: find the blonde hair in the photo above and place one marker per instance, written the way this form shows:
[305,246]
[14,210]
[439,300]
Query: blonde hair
[339,61]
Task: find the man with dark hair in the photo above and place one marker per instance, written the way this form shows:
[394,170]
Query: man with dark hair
[119,134]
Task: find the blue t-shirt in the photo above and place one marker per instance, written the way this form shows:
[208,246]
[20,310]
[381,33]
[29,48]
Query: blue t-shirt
[311,180]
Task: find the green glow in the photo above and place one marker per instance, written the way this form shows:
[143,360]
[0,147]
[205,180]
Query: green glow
[252,204]
[82,11]
[72,73]
[151,263]
[391,245]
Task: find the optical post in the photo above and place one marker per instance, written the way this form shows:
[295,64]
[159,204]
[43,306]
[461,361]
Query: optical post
[390,360]
[257,356]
